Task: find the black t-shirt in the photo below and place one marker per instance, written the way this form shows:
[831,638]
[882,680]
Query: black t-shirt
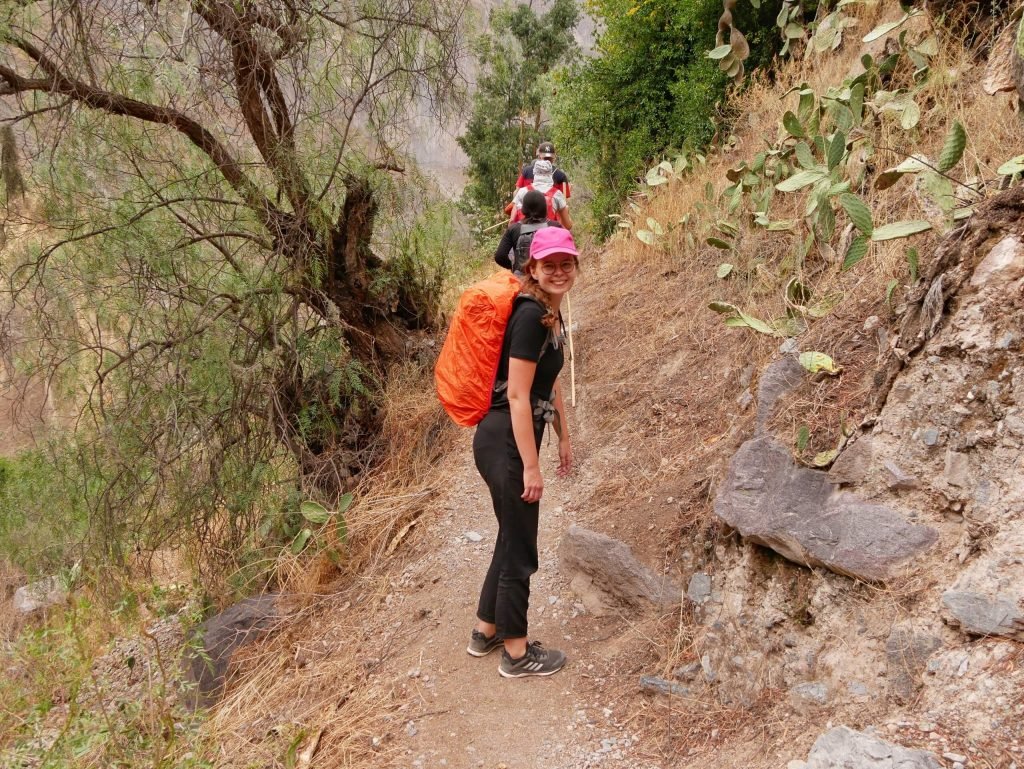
[505,253]
[524,339]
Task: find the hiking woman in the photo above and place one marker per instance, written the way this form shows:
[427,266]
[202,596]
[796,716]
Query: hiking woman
[513,251]
[506,448]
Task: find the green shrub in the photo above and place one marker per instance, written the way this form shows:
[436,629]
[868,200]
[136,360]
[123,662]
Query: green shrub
[42,518]
[650,88]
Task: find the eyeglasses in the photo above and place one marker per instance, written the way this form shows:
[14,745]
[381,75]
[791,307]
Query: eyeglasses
[568,267]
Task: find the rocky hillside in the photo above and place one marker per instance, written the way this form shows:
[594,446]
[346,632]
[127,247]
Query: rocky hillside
[839,498]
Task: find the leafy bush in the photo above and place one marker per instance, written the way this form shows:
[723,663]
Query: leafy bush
[42,518]
[651,87]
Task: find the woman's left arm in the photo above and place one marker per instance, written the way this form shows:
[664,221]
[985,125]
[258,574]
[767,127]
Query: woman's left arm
[562,430]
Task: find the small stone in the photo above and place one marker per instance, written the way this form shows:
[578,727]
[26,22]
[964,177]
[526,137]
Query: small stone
[747,375]
[699,589]
[789,346]
[957,757]
[897,478]
[813,692]
[687,672]
[552,599]
[411,730]
[745,399]
[1008,340]
[658,685]
[857,689]
[473,536]
[871,323]
[709,673]
[958,469]
[930,436]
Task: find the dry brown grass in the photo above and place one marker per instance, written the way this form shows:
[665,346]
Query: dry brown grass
[333,706]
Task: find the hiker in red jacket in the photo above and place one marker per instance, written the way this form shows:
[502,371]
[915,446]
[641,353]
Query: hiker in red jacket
[545,151]
[543,182]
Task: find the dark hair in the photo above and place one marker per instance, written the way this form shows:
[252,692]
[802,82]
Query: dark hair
[535,207]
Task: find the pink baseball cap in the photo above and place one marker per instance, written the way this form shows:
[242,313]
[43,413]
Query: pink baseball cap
[552,240]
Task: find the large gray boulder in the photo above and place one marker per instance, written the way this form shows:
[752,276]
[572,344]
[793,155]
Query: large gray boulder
[217,638]
[843,748]
[604,572]
[795,511]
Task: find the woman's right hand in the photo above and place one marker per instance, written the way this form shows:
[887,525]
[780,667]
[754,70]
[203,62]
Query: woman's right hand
[533,484]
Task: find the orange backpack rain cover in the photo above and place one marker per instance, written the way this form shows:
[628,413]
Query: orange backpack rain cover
[465,369]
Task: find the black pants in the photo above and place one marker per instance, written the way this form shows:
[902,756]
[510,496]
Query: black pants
[505,595]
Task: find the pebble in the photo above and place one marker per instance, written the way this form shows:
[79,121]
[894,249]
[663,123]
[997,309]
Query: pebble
[473,536]
[411,730]
[955,757]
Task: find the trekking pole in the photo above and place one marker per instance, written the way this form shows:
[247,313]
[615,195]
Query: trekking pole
[495,226]
[572,355]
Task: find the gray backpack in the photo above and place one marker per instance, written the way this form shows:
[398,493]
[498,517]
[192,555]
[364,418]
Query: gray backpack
[522,247]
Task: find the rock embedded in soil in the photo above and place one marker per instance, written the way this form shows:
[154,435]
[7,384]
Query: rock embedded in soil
[217,638]
[37,596]
[604,570]
[853,463]
[987,598]
[906,653]
[897,478]
[812,693]
[699,589]
[796,512]
[844,748]
[656,685]
[779,379]
[980,614]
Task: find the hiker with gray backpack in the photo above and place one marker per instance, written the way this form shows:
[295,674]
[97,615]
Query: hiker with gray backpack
[513,251]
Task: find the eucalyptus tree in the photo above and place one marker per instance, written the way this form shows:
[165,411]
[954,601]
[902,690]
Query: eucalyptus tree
[202,280]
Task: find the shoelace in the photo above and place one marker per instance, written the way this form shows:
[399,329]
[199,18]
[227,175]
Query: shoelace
[538,651]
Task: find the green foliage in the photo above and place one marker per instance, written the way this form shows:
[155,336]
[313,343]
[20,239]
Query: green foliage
[650,88]
[507,121]
[217,295]
[58,711]
[43,509]
[823,148]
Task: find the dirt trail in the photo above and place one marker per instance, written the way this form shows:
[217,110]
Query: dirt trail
[458,712]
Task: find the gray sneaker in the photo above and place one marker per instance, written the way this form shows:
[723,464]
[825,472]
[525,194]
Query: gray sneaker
[480,645]
[537,661]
